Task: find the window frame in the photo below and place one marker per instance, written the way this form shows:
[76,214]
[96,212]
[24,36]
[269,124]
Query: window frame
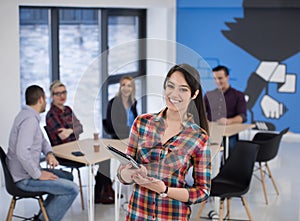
[54,62]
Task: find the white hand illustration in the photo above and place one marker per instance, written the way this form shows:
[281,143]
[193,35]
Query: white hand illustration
[271,107]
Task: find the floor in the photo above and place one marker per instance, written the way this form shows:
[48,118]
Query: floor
[285,207]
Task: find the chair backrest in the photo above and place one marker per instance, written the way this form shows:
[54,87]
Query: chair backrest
[238,168]
[9,183]
[269,144]
[47,132]
[106,128]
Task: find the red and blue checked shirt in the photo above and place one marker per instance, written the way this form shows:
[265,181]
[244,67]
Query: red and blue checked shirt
[169,162]
[57,118]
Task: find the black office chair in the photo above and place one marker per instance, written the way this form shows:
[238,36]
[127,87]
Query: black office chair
[17,193]
[104,125]
[269,143]
[70,164]
[107,129]
[233,179]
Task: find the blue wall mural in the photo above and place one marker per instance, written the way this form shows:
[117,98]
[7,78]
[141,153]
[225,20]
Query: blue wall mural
[259,41]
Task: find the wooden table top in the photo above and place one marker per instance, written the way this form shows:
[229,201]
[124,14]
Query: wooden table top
[86,147]
[91,157]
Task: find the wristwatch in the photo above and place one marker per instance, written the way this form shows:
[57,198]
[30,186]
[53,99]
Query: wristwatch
[164,194]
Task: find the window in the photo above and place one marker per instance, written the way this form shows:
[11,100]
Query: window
[123,30]
[62,43]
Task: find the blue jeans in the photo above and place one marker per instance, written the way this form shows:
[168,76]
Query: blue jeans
[61,193]
[232,141]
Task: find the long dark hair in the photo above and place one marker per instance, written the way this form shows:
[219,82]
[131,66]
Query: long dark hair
[196,106]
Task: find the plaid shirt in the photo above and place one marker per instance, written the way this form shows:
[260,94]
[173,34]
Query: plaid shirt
[170,163]
[57,118]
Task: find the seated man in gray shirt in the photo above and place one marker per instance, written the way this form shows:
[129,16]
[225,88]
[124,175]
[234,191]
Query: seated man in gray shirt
[26,143]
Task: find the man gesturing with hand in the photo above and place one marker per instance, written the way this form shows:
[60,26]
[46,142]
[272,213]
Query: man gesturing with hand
[26,143]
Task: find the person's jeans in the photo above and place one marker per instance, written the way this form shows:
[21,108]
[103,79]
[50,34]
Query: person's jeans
[232,141]
[61,193]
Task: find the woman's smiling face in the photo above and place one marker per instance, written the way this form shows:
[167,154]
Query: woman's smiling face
[177,93]
[126,87]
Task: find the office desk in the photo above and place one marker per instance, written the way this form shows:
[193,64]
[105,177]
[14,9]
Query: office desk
[234,129]
[227,131]
[90,158]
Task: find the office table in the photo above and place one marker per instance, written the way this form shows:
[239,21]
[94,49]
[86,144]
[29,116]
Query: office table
[228,131]
[234,129]
[90,158]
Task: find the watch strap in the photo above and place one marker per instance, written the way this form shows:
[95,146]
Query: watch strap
[165,193]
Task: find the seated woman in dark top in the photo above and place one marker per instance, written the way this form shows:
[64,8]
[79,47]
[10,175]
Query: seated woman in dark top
[121,110]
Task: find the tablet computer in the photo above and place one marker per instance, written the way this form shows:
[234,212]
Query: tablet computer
[122,157]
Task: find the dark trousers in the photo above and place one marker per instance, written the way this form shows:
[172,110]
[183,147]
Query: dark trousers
[104,192]
[232,141]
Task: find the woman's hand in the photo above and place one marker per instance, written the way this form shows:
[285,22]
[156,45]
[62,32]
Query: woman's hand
[64,133]
[128,171]
[150,183]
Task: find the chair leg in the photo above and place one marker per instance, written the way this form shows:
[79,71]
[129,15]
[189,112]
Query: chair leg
[221,209]
[43,209]
[263,182]
[200,211]
[11,209]
[228,208]
[247,208]
[118,190]
[271,177]
[80,189]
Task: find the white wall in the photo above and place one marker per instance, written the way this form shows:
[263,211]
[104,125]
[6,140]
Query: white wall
[160,22]
[9,63]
